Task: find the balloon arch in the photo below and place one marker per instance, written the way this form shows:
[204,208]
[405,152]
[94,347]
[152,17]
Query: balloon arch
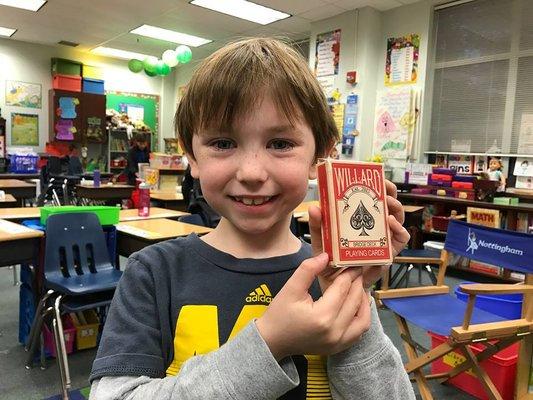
[152,66]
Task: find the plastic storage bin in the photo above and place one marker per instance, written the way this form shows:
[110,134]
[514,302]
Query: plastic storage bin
[86,329]
[106,215]
[66,67]
[67,82]
[26,311]
[69,333]
[23,163]
[501,369]
[90,71]
[95,86]
[505,305]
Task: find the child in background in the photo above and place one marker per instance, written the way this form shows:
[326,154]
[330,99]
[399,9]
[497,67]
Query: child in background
[249,311]
[496,174]
[138,153]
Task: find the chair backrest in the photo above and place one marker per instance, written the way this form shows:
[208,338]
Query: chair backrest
[508,249]
[194,219]
[75,244]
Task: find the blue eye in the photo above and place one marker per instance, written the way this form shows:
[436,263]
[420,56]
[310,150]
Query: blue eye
[222,144]
[280,144]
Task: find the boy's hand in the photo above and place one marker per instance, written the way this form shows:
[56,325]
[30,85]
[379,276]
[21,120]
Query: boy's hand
[399,238]
[295,324]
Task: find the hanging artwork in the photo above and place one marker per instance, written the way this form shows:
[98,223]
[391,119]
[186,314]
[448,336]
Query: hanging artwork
[24,129]
[401,65]
[327,53]
[349,129]
[23,94]
[395,123]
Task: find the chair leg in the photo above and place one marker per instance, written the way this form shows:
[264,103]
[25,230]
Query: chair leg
[485,380]
[59,358]
[38,311]
[60,346]
[431,274]
[15,276]
[421,381]
[35,337]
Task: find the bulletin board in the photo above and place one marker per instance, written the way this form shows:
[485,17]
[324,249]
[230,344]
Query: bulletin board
[149,102]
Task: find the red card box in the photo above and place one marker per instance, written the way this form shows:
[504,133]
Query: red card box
[354,213]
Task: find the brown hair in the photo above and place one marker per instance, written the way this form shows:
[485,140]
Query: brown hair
[140,137]
[233,79]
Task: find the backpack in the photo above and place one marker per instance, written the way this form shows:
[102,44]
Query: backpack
[198,205]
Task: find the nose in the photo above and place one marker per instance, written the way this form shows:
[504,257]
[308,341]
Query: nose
[252,168]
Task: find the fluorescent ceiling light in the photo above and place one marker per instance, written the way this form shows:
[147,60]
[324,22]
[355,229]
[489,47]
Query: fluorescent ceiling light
[6,31]
[170,36]
[117,53]
[32,5]
[243,9]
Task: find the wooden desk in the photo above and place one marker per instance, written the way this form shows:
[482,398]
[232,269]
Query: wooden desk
[155,213]
[168,200]
[18,244]
[105,192]
[135,235]
[11,175]
[8,201]
[19,189]
[19,213]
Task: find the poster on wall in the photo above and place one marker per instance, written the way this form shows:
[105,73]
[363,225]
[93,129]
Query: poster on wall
[349,130]
[23,94]
[395,121]
[327,53]
[525,138]
[401,65]
[24,129]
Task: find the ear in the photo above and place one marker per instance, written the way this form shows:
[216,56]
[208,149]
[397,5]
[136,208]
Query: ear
[194,165]
[312,171]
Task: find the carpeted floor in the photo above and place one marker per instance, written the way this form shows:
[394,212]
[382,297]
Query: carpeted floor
[18,383]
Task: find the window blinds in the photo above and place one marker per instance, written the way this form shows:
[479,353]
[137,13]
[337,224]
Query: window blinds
[483,75]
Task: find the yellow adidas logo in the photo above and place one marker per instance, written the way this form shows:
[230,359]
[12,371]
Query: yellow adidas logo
[260,295]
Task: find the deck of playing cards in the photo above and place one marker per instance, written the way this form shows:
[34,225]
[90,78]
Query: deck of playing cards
[354,213]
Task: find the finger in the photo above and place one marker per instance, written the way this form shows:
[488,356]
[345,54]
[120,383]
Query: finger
[371,274]
[315,224]
[351,304]
[395,208]
[398,232]
[304,276]
[360,324]
[334,296]
[391,189]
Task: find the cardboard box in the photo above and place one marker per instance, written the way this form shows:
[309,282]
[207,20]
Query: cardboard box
[505,200]
[353,201]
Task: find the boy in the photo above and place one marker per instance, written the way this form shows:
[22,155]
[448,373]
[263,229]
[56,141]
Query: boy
[138,153]
[230,315]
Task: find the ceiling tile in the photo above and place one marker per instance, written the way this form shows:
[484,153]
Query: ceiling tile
[326,11]
[381,5]
[292,7]
[292,24]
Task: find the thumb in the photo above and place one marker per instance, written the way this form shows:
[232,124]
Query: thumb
[304,276]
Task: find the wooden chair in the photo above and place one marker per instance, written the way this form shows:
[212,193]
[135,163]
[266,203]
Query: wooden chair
[433,309]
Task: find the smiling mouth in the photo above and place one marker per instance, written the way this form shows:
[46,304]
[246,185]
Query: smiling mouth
[255,201]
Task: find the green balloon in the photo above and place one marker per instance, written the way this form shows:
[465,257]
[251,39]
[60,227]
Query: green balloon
[149,73]
[161,68]
[135,65]
[150,63]
[184,54]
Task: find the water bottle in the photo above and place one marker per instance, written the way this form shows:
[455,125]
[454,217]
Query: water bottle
[144,199]
[96,178]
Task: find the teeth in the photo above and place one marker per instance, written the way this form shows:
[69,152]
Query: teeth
[255,202]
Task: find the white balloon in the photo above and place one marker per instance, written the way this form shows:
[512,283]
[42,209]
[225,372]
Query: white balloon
[170,58]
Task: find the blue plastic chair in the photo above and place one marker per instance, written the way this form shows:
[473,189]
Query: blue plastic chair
[78,275]
[421,259]
[433,309]
[194,219]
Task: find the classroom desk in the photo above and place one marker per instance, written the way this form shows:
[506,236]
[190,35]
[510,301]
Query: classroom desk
[168,200]
[19,189]
[133,236]
[8,201]
[11,175]
[18,244]
[105,192]
[155,213]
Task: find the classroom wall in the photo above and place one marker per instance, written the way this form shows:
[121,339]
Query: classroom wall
[31,63]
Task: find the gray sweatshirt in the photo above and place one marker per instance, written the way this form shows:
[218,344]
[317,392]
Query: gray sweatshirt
[185,310]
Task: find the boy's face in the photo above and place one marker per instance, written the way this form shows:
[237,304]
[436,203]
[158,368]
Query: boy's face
[257,174]
[141,145]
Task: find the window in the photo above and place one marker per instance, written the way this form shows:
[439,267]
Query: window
[483,76]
